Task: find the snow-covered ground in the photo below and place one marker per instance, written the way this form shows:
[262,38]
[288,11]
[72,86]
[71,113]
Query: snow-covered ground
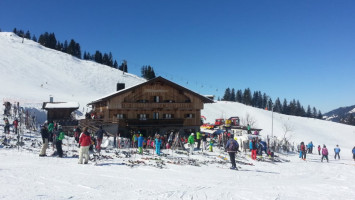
[30,73]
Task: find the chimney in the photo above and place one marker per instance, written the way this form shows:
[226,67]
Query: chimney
[120,86]
[51,99]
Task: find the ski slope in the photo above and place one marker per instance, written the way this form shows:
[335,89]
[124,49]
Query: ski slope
[31,73]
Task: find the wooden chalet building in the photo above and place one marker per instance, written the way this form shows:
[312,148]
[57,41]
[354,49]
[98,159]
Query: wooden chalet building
[156,106]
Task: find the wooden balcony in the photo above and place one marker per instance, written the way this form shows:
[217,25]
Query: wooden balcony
[157,105]
[153,122]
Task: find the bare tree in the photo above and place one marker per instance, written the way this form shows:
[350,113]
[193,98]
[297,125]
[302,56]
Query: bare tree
[248,120]
[287,128]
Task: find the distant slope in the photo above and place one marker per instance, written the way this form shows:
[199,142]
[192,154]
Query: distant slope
[303,129]
[30,72]
[340,113]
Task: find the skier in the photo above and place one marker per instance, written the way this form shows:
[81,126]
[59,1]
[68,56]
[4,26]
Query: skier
[15,124]
[211,144]
[59,141]
[248,128]
[99,135]
[140,144]
[319,148]
[7,126]
[191,142]
[77,132]
[337,151]
[157,144]
[324,153]
[45,135]
[310,147]
[253,149]
[303,151]
[232,147]
[353,151]
[204,141]
[198,138]
[84,141]
[50,132]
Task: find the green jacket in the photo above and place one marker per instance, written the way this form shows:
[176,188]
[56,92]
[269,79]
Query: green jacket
[61,136]
[198,135]
[50,127]
[191,139]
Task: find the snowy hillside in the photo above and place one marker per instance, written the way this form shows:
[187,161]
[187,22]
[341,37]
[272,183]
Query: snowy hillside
[339,114]
[30,73]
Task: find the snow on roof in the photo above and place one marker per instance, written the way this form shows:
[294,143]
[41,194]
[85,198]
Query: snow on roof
[62,105]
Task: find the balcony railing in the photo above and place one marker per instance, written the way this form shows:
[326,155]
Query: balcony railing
[157,105]
[154,122]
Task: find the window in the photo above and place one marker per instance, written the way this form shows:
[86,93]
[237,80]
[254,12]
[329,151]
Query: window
[120,116]
[156,99]
[155,115]
[142,116]
[168,116]
[189,116]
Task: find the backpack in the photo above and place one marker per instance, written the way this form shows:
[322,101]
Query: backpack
[233,146]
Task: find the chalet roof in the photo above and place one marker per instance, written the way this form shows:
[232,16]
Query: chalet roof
[161,79]
[58,105]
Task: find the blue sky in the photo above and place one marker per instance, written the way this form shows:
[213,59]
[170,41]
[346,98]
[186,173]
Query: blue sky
[290,49]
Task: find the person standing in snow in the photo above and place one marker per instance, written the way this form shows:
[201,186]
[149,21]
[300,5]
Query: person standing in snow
[50,132]
[7,126]
[15,124]
[303,151]
[232,148]
[211,144]
[337,151]
[319,148]
[310,147]
[198,138]
[84,141]
[204,141]
[191,142]
[253,149]
[324,153]
[59,141]
[140,144]
[99,136]
[45,135]
[157,144]
[353,151]
[77,132]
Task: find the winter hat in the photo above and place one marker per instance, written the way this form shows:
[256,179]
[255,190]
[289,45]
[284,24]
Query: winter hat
[192,133]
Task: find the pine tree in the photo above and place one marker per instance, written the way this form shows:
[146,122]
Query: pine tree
[123,67]
[351,120]
[227,94]
[269,104]
[319,116]
[232,98]
[247,98]
[98,57]
[115,64]
[65,47]
[255,99]
[277,106]
[309,111]
[265,100]
[285,109]
[28,35]
[260,100]
[239,96]
[147,72]
[34,38]
[314,114]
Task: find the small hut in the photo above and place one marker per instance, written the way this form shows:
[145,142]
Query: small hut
[61,112]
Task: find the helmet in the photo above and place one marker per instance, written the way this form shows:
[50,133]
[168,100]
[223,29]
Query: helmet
[192,133]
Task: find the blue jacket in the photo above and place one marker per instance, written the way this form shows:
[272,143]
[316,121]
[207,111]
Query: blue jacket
[263,143]
[140,141]
[157,143]
[250,145]
[229,142]
[353,150]
[310,145]
[336,149]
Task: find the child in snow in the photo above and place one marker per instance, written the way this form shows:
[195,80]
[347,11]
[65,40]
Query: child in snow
[319,148]
[157,144]
[325,153]
[337,151]
[211,145]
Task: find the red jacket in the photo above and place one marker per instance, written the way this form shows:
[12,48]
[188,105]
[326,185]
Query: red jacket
[85,139]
